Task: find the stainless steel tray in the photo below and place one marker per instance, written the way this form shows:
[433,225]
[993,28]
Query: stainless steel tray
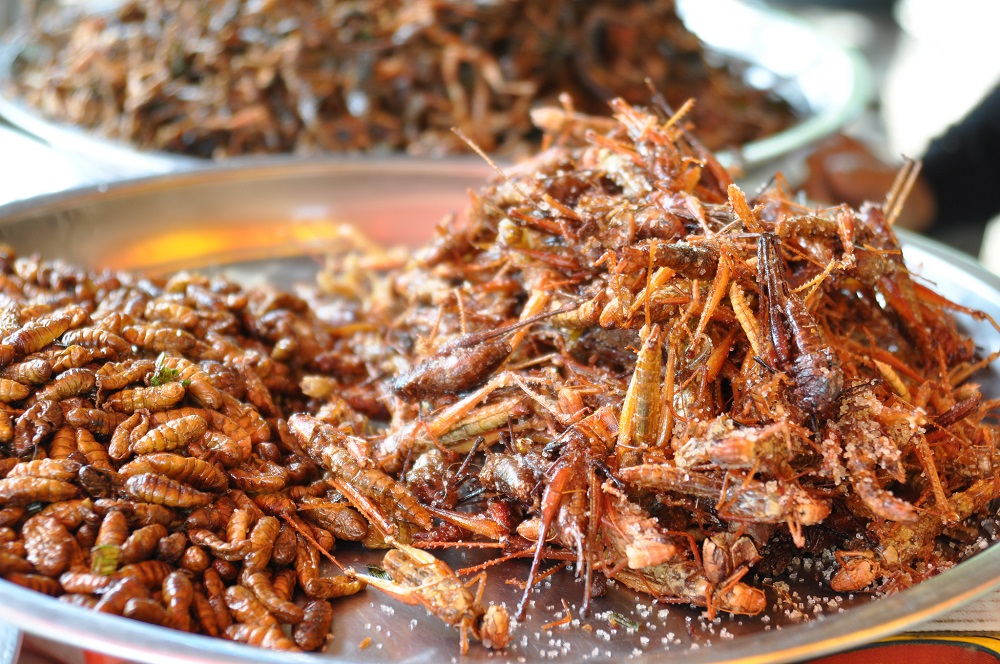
[826,82]
[272,222]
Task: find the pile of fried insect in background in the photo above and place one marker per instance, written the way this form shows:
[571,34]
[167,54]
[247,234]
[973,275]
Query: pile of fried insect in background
[191,77]
[615,361]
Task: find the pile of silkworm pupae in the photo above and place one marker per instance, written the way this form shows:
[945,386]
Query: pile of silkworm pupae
[148,470]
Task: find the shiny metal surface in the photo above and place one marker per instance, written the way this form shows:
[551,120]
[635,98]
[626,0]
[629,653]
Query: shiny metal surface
[272,222]
[827,83]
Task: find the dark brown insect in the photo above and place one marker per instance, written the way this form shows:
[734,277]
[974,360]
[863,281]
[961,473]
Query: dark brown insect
[99,422]
[161,490]
[314,630]
[50,547]
[188,470]
[142,542]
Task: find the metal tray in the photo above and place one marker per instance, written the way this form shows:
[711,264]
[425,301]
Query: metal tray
[827,83]
[273,222]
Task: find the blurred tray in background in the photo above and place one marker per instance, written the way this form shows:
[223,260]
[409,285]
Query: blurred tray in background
[827,85]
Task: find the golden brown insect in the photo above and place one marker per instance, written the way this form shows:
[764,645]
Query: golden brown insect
[283,582]
[284,549]
[222,549]
[257,392]
[275,504]
[321,587]
[228,451]
[72,513]
[200,385]
[95,453]
[323,538]
[244,502]
[50,547]
[265,477]
[171,435]
[160,397]
[340,519]
[39,333]
[265,636]
[104,342]
[246,608]
[260,583]
[204,614]
[138,513]
[56,469]
[159,339]
[160,490]
[114,376]
[215,592]
[244,416]
[34,426]
[141,543]
[150,573]
[195,560]
[68,384]
[11,390]
[261,543]
[6,427]
[19,491]
[148,610]
[14,563]
[98,483]
[11,515]
[63,443]
[189,470]
[133,428]
[172,547]
[172,312]
[71,357]
[114,529]
[178,594]
[85,582]
[36,371]
[36,582]
[420,578]
[312,633]
[117,595]
[99,422]
[375,494]
[238,526]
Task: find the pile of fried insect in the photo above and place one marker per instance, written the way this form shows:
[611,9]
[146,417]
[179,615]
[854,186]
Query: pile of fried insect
[615,361]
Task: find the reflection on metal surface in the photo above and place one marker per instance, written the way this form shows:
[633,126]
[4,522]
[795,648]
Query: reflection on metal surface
[10,644]
[101,228]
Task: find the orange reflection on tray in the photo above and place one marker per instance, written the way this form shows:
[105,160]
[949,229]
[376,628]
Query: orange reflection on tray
[171,250]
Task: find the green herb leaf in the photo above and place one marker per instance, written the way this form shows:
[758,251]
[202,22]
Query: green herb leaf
[104,559]
[164,374]
[618,620]
[379,573]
